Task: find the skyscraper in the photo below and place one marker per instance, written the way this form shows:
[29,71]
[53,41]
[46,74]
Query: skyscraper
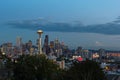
[46,48]
[46,40]
[19,44]
[18,41]
[58,49]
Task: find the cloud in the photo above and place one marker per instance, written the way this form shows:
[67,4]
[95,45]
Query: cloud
[97,43]
[112,28]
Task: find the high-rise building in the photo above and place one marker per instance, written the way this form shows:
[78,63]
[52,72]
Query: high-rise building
[46,48]
[18,41]
[46,40]
[57,44]
[19,45]
[7,48]
[29,46]
[51,48]
[57,47]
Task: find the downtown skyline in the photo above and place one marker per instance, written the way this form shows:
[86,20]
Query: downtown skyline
[78,12]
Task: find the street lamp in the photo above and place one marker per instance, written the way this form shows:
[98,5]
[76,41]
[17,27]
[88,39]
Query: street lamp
[40,42]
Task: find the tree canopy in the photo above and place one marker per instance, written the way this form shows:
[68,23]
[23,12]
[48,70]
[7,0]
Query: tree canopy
[86,70]
[38,67]
[35,67]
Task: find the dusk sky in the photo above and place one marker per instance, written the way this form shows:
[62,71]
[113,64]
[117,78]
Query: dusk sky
[86,12]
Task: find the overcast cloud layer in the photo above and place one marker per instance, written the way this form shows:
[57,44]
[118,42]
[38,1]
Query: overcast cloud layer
[112,28]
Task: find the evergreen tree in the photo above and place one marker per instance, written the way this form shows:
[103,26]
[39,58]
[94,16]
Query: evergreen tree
[86,70]
[35,67]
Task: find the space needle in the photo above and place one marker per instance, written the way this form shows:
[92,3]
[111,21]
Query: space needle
[40,42]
